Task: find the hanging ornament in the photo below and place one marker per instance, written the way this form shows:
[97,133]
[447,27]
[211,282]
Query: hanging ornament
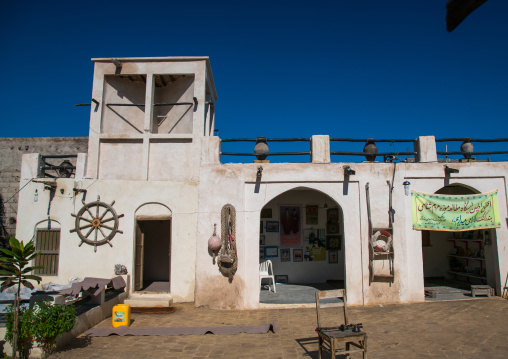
[97,223]
[214,243]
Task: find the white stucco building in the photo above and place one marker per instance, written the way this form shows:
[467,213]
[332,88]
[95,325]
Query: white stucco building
[153,154]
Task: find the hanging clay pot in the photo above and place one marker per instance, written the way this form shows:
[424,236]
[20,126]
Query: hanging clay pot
[370,150]
[467,148]
[214,243]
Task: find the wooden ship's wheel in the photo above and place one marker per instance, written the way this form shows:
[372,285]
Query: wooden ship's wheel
[97,223]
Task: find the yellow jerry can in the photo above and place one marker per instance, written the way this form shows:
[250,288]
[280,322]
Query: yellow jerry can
[121,315]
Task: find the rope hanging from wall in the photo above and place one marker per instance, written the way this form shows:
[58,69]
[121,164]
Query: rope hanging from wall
[228,258]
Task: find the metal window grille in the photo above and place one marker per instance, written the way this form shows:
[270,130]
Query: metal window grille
[48,244]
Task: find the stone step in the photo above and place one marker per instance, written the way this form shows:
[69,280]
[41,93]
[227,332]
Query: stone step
[149,300]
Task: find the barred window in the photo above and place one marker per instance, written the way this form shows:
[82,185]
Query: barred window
[48,244]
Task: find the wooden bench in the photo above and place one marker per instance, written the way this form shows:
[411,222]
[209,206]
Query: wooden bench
[482,290]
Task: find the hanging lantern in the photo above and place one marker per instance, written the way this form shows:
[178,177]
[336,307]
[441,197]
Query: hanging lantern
[406,185]
[214,243]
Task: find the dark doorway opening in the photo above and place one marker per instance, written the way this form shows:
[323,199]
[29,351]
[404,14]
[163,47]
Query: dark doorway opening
[453,261]
[153,256]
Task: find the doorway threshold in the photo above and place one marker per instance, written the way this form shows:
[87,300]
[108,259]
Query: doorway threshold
[157,287]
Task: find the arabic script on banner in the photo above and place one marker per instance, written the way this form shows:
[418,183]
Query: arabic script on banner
[437,212]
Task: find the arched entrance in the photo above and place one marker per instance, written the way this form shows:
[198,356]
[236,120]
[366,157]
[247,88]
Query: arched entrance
[302,234]
[152,257]
[453,261]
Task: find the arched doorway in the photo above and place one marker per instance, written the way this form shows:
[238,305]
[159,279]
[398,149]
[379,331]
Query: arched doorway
[302,234]
[152,257]
[453,261]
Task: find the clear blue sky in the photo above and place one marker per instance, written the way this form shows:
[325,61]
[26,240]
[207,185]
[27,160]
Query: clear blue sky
[382,69]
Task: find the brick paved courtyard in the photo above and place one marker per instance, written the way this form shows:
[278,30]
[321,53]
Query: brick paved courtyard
[476,328]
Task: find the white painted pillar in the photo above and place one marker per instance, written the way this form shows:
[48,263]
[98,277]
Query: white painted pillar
[210,150]
[320,149]
[426,147]
[148,125]
[80,166]
[30,166]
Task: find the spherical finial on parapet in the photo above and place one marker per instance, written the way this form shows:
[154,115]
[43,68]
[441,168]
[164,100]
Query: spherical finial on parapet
[261,149]
[370,150]
[467,148]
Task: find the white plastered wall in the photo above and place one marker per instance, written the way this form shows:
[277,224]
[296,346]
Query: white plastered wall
[223,184]
[484,177]
[195,212]
[76,261]
[117,151]
[236,184]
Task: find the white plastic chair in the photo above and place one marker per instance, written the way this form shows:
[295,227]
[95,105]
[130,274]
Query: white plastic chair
[266,271]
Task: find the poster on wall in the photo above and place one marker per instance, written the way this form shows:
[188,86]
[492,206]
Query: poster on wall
[271,251]
[454,212]
[290,235]
[310,236]
[311,215]
[285,255]
[317,251]
[272,226]
[297,255]
[333,257]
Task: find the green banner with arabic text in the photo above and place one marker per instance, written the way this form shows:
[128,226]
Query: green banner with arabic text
[436,212]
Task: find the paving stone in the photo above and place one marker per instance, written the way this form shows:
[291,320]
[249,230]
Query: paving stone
[421,330]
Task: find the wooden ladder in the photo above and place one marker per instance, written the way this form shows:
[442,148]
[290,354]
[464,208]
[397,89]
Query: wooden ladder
[375,255]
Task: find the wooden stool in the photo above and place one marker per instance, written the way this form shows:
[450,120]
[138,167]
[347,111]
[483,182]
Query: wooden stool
[481,290]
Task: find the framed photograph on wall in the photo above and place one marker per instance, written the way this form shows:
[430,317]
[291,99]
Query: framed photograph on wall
[311,214]
[262,240]
[260,226]
[333,257]
[333,243]
[272,226]
[271,252]
[285,255]
[297,255]
[266,213]
[332,221]
[261,254]
[281,279]
[310,236]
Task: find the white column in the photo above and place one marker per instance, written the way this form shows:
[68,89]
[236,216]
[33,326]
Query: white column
[148,125]
[30,166]
[80,166]
[320,147]
[426,148]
